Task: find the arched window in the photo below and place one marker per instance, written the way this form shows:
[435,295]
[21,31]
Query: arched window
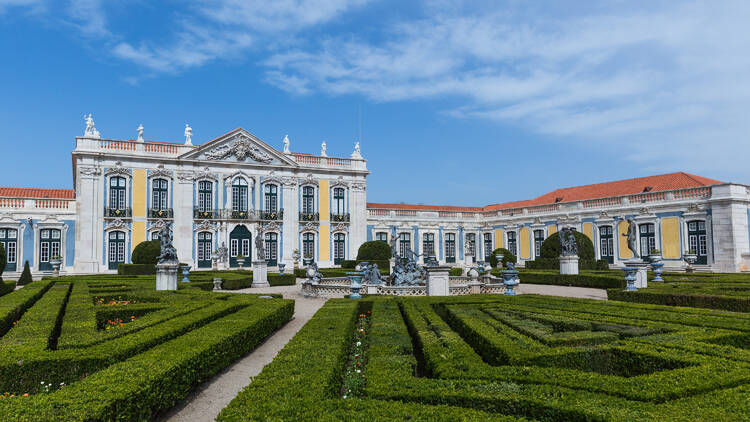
[339,206]
[117,196]
[512,243]
[428,244]
[116,249]
[160,188]
[9,240]
[308,246]
[271,203]
[239,195]
[450,247]
[339,248]
[308,200]
[205,196]
[648,238]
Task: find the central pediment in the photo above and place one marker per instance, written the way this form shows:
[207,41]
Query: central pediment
[238,146]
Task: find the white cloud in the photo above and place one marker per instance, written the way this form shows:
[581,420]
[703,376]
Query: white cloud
[88,16]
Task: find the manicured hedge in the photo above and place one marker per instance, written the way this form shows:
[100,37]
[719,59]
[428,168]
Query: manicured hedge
[507,257]
[6,287]
[246,282]
[136,269]
[3,259]
[348,263]
[25,275]
[554,264]
[726,303]
[375,250]
[583,279]
[454,272]
[147,253]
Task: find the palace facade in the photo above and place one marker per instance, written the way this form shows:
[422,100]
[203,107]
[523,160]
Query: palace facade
[224,192]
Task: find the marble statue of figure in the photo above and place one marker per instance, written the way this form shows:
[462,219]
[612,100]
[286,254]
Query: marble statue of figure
[188,135]
[260,250]
[372,274]
[632,236]
[286,145]
[357,154]
[469,248]
[168,252]
[90,128]
[223,252]
[323,149]
[394,240]
[568,245]
[140,132]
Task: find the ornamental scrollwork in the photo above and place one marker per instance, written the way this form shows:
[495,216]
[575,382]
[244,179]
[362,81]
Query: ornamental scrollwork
[289,181]
[359,186]
[161,172]
[204,174]
[118,169]
[308,180]
[157,225]
[185,176]
[340,227]
[339,182]
[310,226]
[241,147]
[270,227]
[89,171]
[117,224]
[205,225]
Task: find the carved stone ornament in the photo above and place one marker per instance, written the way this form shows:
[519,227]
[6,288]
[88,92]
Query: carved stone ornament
[310,226]
[228,180]
[604,214]
[289,181]
[204,174]
[644,211]
[118,169]
[161,172]
[241,147]
[270,227]
[272,178]
[359,186]
[205,225]
[693,208]
[339,182]
[537,220]
[157,225]
[117,224]
[340,227]
[185,176]
[308,180]
[89,171]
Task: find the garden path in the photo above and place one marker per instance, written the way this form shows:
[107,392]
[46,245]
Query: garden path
[565,291]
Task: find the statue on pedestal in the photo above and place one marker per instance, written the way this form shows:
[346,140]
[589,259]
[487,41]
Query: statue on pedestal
[286,145]
[90,131]
[632,236]
[568,246]
[168,252]
[188,135]
[260,250]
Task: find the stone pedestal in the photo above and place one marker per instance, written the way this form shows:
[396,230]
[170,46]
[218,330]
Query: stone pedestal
[475,288]
[392,263]
[260,274]
[569,265]
[438,281]
[641,275]
[166,276]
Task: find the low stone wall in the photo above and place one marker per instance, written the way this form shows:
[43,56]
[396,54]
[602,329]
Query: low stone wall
[340,286]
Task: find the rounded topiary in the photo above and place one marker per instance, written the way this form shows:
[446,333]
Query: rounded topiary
[147,252]
[507,257]
[551,246]
[375,250]
[25,275]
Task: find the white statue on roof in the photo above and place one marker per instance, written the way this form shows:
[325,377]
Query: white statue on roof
[140,132]
[188,135]
[323,149]
[90,131]
[357,154]
[286,145]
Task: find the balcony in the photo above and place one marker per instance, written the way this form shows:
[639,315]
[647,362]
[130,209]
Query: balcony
[205,214]
[241,215]
[117,212]
[309,216]
[340,218]
[272,215]
[160,213]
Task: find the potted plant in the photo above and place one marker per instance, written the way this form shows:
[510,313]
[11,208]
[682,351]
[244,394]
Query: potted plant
[296,255]
[56,261]
[241,260]
[654,255]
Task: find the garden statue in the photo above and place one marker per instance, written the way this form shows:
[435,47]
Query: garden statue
[632,236]
[260,250]
[313,274]
[168,252]
[568,246]
[223,252]
[140,132]
[188,135]
[371,274]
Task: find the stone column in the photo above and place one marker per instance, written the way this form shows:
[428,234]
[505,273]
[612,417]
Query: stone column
[290,232]
[182,230]
[89,208]
[438,282]
[358,217]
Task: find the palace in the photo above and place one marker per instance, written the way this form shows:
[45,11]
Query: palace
[224,192]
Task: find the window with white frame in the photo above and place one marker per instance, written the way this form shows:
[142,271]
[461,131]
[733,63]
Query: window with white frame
[428,244]
[339,204]
[648,238]
[381,236]
[239,195]
[160,197]
[308,200]
[205,195]
[512,245]
[117,193]
[271,201]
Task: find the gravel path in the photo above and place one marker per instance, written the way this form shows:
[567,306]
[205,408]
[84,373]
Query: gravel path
[565,291]
[205,403]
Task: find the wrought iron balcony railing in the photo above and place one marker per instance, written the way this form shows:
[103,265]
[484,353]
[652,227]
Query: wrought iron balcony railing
[309,216]
[118,212]
[242,215]
[340,218]
[272,215]
[161,213]
[205,214]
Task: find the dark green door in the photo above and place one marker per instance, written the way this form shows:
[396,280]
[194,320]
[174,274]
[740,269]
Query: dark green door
[450,247]
[339,244]
[9,240]
[116,249]
[272,249]
[606,244]
[697,240]
[239,244]
[205,247]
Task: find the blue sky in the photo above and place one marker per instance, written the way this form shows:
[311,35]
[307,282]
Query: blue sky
[463,103]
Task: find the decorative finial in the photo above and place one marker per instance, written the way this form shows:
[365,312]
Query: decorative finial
[140,133]
[357,154]
[188,135]
[286,145]
[90,131]
[323,148]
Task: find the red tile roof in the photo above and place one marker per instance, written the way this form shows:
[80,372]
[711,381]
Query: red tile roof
[37,193]
[663,182]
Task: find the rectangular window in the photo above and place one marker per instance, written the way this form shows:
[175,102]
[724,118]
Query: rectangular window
[11,252]
[471,244]
[428,244]
[702,248]
[308,200]
[246,247]
[512,243]
[338,201]
[405,245]
[383,237]
[205,196]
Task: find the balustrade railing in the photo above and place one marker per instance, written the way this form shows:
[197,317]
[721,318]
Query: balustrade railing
[272,215]
[11,203]
[309,216]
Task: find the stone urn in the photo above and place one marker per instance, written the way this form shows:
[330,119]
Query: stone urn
[473,273]
[185,273]
[56,262]
[217,283]
[690,258]
[658,268]
[510,280]
[499,260]
[356,285]
[654,257]
[282,267]
[630,277]
[241,261]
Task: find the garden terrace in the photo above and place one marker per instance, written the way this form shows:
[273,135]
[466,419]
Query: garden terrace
[508,357]
[112,348]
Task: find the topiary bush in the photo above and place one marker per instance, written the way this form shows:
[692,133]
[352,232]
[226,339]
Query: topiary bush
[25,275]
[136,269]
[147,252]
[455,272]
[507,257]
[375,250]
[551,246]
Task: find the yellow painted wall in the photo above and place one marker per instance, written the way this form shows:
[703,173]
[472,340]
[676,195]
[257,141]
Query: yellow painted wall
[325,242]
[588,230]
[670,237]
[139,233]
[324,207]
[139,193]
[551,229]
[622,227]
[498,238]
[525,250]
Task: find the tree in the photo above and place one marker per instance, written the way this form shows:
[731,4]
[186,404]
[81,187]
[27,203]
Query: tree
[147,252]
[25,275]
[551,246]
[375,250]
[507,257]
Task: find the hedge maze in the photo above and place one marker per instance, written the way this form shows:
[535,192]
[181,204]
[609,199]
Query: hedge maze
[112,348]
[508,358]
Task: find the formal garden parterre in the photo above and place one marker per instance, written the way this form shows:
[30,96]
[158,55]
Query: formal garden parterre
[111,348]
[502,358]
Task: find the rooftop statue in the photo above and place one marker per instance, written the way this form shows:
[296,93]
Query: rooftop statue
[357,154]
[568,245]
[188,135]
[632,236]
[323,149]
[168,252]
[286,145]
[90,131]
[140,132]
